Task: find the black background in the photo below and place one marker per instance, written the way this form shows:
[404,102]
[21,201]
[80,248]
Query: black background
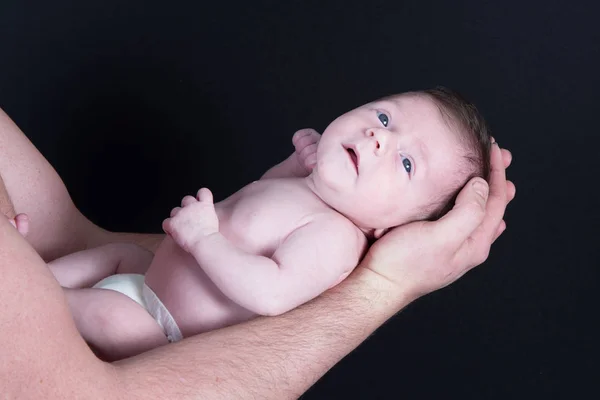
[136,103]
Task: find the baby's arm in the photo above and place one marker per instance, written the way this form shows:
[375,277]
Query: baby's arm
[309,261]
[85,268]
[313,258]
[301,162]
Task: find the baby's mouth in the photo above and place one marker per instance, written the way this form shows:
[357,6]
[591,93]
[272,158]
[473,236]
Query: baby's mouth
[354,157]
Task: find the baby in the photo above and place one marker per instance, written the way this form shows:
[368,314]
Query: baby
[283,240]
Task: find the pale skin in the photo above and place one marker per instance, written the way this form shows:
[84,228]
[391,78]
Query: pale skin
[277,243]
[233,362]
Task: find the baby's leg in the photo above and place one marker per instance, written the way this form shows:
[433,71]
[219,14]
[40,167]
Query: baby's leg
[113,324]
[87,267]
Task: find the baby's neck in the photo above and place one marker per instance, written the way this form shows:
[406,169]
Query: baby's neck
[368,232]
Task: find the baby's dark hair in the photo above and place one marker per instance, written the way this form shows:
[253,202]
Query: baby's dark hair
[464,119]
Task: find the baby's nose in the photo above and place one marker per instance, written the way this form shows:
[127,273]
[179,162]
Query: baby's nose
[381,139]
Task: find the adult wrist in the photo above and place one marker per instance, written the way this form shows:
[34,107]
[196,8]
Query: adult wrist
[387,296]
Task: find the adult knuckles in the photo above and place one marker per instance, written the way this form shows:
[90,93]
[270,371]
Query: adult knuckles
[475,208]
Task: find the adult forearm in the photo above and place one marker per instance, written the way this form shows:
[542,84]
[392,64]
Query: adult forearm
[42,355]
[268,357]
[149,241]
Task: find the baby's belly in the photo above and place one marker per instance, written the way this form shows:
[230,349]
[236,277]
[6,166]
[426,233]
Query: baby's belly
[194,301]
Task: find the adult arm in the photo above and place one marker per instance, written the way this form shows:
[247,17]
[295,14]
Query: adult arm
[43,355]
[57,227]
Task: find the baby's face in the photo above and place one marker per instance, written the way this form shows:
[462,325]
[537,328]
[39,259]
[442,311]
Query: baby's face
[382,163]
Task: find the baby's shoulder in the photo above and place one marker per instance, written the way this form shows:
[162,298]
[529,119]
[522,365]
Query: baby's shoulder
[335,226]
[277,188]
[334,237]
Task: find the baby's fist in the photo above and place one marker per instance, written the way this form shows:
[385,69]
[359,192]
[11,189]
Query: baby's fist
[194,220]
[305,142]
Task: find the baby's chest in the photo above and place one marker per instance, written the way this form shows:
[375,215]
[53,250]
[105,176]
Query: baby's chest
[260,221]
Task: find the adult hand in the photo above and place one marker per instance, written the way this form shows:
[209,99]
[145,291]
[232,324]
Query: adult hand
[422,257]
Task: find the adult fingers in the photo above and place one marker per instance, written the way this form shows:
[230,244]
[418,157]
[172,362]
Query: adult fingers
[510,195]
[466,215]
[500,231]
[506,154]
[506,158]
[511,191]
[482,238]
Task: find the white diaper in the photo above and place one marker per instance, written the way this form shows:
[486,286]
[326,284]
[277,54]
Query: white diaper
[134,287]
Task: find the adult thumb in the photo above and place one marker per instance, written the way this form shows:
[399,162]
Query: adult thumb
[466,215]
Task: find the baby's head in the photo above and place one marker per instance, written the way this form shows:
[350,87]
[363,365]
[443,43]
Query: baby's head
[401,158]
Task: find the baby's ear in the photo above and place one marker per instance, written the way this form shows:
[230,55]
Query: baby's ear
[380,232]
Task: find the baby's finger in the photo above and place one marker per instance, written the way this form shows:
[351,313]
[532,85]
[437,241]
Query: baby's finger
[175,211]
[299,135]
[166,226]
[187,200]
[205,195]
[306,141]
[310,161]
[308,150]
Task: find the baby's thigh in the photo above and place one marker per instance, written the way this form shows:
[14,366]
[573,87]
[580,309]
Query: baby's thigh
[113,324]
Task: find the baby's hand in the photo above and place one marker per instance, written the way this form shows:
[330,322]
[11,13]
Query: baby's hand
[21,223]
[306,141]
[194,220]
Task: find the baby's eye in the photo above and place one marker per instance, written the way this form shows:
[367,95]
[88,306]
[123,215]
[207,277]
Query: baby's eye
[407,164]
[383,118]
